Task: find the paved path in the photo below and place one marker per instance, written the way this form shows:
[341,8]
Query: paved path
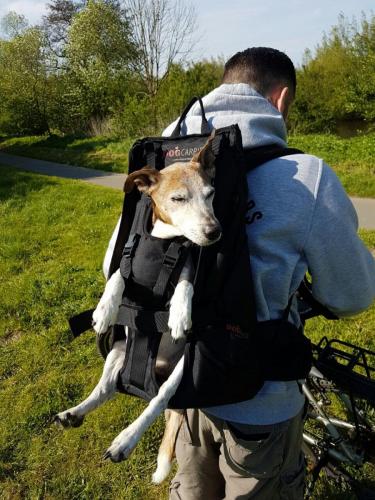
[365,207]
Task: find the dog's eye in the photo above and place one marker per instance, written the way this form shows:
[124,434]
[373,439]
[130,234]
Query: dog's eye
[178,199]
[210,194]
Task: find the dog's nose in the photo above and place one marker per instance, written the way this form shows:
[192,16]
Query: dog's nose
[213,232]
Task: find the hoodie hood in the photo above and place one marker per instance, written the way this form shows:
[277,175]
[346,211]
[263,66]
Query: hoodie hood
[259,121]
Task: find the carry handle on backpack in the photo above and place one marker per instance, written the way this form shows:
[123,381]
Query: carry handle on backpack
[205,128]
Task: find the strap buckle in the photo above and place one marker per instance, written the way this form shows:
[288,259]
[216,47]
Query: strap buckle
[169,261]
[130,245]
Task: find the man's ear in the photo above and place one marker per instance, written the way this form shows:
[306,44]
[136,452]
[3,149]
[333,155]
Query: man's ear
[280,97]
[205,157]
[144,179]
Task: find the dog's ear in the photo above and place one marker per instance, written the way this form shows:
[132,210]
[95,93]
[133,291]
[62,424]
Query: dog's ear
[144,179]
[205,157]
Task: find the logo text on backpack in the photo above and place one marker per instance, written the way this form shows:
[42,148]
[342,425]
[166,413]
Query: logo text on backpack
[177,154]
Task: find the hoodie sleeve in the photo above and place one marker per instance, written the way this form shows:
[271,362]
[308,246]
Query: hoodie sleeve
[341,267]
[168,131]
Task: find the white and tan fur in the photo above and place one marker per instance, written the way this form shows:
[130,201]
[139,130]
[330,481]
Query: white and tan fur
[181,196]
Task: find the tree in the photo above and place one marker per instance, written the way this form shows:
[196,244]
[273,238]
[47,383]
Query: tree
[182,84]
[57,22]
[24,85]
[163,31]
[99,55]
[13,24]
[336,83]
[133,118]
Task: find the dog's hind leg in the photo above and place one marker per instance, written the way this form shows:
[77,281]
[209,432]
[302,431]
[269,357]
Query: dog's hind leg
[127,440]
[104,390]
[174,419]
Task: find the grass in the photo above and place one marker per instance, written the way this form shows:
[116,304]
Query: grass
[54,234]
[352,159]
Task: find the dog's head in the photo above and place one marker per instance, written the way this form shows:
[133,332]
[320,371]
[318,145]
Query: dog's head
[182,195]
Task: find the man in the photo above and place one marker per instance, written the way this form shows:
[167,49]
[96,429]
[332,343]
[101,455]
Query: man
[304,221]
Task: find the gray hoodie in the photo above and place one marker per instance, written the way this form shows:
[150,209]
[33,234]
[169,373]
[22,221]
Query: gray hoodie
[303,221]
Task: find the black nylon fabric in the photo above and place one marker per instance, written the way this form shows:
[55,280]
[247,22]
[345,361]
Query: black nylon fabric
[221,367]
[137,376]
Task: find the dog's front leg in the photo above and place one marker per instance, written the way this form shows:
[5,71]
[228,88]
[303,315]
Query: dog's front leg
[180,309]
[181,302]
[105,314]
[104,390]
[127,440]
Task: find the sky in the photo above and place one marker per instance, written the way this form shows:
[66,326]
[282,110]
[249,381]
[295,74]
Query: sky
[225,27]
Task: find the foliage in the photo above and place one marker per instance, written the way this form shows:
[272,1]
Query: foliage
[13,24]
[163,31]
[24,84]
[144,114]
[57,22]
[54,234]
[337,83]
[102,63]
[118,68]
[182,84]
[99,52]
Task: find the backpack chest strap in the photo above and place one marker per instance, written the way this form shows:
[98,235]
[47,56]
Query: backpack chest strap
[170,260]
[174,253]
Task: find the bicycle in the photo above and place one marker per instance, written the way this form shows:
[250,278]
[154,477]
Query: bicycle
[340,425]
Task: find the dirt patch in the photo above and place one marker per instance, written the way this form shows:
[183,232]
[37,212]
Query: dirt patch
[10,337]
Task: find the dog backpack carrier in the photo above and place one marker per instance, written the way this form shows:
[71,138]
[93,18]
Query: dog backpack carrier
[228,353]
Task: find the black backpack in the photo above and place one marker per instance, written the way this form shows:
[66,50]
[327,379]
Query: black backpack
[228,353]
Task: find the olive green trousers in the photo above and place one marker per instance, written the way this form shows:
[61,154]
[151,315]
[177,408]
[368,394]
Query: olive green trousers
[222,460]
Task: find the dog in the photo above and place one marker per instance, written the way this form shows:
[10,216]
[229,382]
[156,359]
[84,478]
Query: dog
[181,196]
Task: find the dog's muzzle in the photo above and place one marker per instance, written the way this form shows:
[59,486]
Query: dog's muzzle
[213,233]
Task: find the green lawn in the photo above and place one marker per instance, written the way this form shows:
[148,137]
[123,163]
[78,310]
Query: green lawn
[54,234]
[353,159]
[95,152]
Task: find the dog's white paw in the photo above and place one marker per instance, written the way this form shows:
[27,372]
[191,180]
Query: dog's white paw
[105,315]
[178,323]
[122,445]
[68,419]
[180,310]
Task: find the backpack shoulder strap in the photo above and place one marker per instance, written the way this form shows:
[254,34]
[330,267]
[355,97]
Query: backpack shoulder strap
[257,156]
[127,218]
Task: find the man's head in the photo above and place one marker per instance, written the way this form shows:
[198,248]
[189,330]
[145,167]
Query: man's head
[268,71]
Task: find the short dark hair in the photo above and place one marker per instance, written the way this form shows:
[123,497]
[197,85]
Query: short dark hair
[262,68]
